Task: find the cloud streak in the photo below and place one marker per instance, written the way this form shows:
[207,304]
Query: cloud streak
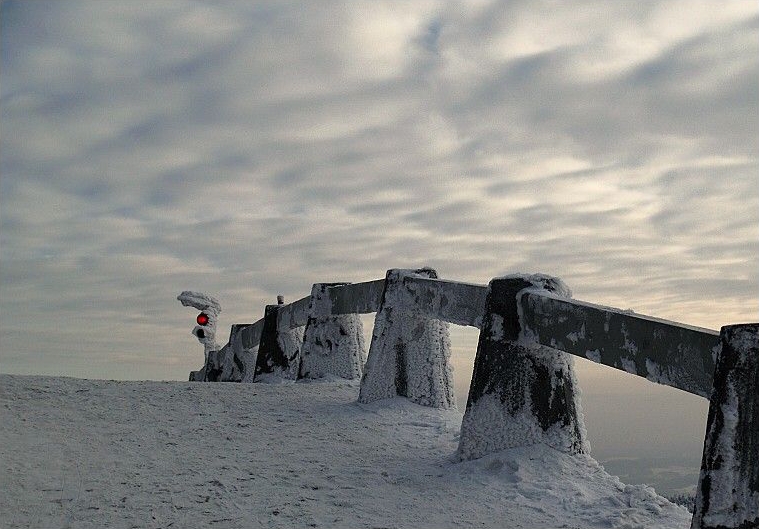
[250,150]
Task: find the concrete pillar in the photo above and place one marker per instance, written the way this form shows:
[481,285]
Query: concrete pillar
[279,351]
[520,394]
[727,496]
[409,353]
[244,351]
[332,345]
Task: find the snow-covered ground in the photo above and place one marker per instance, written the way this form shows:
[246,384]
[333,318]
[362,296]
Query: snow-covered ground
[90,453]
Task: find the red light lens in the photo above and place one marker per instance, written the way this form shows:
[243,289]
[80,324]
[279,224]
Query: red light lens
[202,319]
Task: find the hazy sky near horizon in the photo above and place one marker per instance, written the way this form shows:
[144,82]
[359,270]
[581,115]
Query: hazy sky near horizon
[249,149]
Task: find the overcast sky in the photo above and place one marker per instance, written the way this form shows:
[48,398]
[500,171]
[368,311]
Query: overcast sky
[247,150]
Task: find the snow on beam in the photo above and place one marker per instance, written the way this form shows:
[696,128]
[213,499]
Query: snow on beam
[278,351]
[332,344]
[727,496]
[451,301]
[520,394]
[356,298]
[662,351]
[409,353]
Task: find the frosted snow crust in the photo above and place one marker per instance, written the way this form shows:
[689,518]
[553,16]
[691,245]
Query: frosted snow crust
[104,454]
[409,352]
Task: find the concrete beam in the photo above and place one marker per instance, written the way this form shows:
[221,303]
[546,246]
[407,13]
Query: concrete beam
[450,301]
[293,314]
[662,351]
[356,298]
[249,334]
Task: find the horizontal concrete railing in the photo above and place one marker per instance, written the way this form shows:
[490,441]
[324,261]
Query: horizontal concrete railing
[669,353]
[356,298]
[661,351]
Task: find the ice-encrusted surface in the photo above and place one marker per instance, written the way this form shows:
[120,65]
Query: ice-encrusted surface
[409,352]
[91,454]
[728,492]
[488,424]
[212,308]
[333,345]
[522,394]
[664,352]
[290,343]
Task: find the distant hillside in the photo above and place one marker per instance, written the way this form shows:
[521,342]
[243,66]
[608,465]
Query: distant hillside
[95,454]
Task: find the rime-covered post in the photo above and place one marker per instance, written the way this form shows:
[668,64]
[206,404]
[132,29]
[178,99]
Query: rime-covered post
[206,333]
[727,496]
[520,394]
[409,351]
[279,350]
[332,344]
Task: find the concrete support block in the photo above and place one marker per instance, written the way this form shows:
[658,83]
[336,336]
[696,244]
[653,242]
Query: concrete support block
[244,351]
[520,394]
[727,496]
[279,351]
[409,353]
[332,345]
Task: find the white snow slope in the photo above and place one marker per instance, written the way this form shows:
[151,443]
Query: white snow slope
[94,454]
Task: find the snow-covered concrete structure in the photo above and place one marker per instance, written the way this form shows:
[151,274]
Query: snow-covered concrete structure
[520,395]
[409,353]
[523,391]
[727,495]
[235,362]
[332,344]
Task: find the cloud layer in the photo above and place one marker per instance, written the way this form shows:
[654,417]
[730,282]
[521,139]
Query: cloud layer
[247,150]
